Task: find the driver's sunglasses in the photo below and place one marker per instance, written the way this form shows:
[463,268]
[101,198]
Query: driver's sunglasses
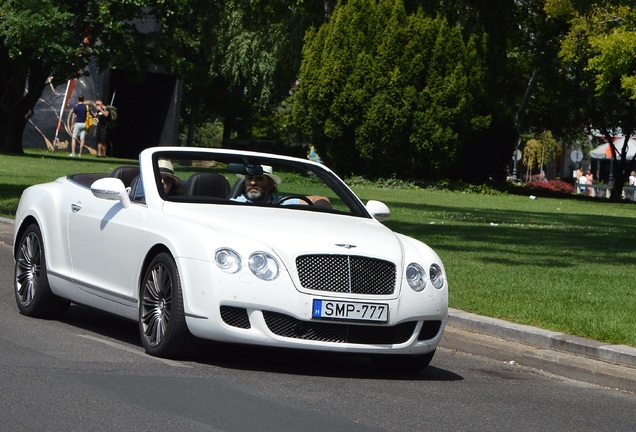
[256,178]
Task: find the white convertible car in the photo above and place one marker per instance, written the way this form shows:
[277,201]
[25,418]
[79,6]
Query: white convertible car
[185,246]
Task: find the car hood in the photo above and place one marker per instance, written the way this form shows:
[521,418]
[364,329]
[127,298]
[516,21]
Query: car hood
[290,233]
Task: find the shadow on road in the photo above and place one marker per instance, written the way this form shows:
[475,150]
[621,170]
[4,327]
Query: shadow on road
[255,358]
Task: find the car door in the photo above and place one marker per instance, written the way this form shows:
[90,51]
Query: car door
[100,235]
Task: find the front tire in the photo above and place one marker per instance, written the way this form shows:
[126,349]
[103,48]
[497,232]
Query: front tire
[162,324]
[31,284]
[402,363]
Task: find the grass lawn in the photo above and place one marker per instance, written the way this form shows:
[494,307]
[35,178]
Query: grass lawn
[560,264]
[18,172]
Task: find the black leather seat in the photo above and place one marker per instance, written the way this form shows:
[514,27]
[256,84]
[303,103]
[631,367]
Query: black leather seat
[208,184]
[136,192]
[238,188]
[126,174]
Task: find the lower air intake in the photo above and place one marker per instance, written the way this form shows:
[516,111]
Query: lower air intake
[286,326]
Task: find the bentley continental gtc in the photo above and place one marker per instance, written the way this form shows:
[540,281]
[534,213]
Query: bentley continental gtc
[198,244]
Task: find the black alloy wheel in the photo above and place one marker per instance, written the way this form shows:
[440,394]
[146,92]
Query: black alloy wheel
[31,285]
[162,324]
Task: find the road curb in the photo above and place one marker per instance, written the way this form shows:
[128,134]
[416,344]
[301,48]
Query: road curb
[557,363]
[619,354]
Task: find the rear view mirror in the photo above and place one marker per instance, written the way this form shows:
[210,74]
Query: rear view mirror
[245,169]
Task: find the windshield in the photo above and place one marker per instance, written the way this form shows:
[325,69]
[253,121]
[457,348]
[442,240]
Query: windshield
[248,180]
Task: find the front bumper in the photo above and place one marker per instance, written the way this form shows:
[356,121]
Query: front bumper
[243,309]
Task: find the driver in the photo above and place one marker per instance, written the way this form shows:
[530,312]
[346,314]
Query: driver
[261,189]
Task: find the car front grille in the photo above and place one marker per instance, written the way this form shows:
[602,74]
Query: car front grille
[287,326]
[346,274]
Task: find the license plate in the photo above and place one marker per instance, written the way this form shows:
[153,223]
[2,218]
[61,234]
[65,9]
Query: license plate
[350,311]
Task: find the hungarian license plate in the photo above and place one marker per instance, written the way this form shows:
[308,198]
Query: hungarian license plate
[350,311]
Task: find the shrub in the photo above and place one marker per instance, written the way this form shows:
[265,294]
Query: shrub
[548,188]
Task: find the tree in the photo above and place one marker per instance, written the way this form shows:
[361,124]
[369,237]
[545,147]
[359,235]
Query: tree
[525,90]
[599,53]
[35,51]
[383,92]
[539,152]
[238,58]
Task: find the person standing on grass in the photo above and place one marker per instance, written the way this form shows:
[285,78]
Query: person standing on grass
[79,129]
[632,182]
[590,180]
[582,181]
[103,118]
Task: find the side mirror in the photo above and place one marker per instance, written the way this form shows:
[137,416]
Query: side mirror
[111,188]
[378,210]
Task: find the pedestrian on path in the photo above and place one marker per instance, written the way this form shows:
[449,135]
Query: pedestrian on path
[80,112]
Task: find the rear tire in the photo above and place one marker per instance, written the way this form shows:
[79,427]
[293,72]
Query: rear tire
[162,324]
[31,284]
[402,363]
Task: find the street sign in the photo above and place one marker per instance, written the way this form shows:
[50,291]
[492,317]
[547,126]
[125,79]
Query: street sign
[576,156]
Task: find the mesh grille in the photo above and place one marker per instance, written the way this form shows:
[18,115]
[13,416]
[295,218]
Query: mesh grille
[429,330]
[346,274]
[286,326]
[235,317]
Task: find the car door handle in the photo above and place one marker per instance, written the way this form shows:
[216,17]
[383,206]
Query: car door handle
[75,207]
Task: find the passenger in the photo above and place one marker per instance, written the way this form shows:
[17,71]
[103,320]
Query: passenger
[171,183]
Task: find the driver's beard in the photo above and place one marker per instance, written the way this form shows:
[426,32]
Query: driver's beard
[255,195]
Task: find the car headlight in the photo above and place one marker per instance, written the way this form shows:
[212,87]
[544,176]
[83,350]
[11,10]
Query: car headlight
[436,275]
[263,265]
[228,260]
[416,277]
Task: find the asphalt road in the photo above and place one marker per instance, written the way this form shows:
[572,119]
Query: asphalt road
[89,372]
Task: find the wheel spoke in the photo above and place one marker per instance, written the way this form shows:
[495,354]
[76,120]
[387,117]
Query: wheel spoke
[156,304]
[28,269]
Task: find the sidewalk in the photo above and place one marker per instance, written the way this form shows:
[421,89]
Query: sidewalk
[569,356]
